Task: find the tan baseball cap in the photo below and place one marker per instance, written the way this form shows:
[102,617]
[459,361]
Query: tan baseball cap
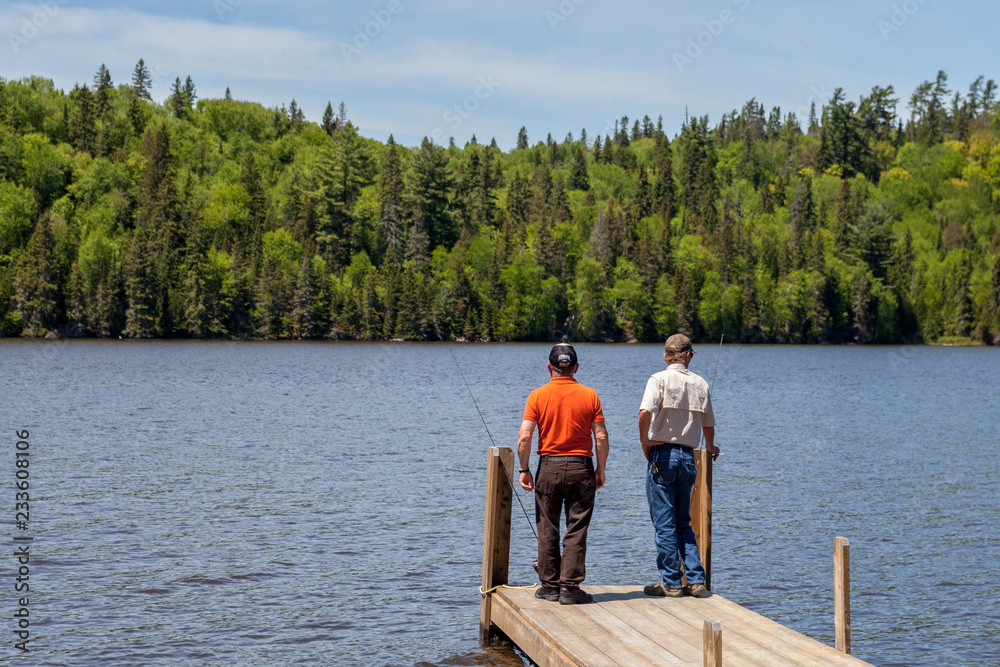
[679,343]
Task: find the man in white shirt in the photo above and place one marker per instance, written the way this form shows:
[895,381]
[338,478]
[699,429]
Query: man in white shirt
[675,410]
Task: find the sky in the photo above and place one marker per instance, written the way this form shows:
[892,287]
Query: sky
[441,69]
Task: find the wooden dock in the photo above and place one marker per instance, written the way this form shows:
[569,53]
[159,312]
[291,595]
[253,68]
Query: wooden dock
[626,627]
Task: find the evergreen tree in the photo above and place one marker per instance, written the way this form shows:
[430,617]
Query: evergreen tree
[642,204]
[304,316]
[427,195]
[196,319]
[418,242]
[846,216]
[698,173]
[329,123]
[278,278]
[98,292]
[665,196]
[518,202]
[345,170]
[295,115]
[81,128]
[136,115]
[484,193]
[149,255]
[250,180]
[177,101]
[141,83]
[579,178]
[190,92]
[989,318]
[872,239]
[102,91]
[391,204]
[37,295]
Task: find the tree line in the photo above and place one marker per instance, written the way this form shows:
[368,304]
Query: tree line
[219,218]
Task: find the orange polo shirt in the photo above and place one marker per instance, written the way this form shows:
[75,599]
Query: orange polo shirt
[564,410]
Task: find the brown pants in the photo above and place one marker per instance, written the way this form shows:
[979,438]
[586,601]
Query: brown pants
[563,482]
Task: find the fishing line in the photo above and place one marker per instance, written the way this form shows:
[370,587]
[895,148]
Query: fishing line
[714,373]
[508,477]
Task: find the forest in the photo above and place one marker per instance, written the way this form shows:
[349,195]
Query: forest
[222,218]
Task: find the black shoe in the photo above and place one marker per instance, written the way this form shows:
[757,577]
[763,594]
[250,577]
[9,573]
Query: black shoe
[574,596]
[547,593]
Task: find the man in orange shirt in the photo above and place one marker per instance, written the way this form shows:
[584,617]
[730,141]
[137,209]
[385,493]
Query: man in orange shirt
[567,414]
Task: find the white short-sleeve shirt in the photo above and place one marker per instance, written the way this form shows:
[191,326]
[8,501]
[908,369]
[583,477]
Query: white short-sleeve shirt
[679,402]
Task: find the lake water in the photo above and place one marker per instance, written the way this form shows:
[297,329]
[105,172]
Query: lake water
[322,503]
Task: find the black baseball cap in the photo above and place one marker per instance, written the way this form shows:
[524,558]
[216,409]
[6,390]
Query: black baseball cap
[562,356]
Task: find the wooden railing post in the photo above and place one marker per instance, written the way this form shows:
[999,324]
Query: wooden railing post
[496,534]
[712,640]
[701,511]
[842,593]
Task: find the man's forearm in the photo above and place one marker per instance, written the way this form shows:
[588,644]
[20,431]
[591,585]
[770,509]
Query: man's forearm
[602,448]
[524,452]
[709,432]
[524,437]
[645,418]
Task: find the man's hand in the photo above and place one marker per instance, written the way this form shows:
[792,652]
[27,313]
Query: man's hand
[647,447]
[710,447]
[599,476]
[713,450]
[527,483]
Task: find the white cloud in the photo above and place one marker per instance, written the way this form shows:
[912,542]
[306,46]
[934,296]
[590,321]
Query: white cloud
[199,47]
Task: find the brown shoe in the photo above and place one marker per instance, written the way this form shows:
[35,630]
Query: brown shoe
[698,591]
[660,591]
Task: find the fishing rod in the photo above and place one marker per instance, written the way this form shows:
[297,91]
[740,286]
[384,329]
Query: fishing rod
[508,477]
[711,386]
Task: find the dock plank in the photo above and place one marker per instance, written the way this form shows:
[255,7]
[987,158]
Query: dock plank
[542,633]
[676,617]
[739,647]
[805,649]
[635,612]
[625,627]
[576,629]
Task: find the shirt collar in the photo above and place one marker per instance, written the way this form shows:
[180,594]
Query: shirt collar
[676,367]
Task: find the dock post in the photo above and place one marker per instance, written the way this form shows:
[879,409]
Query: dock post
[701,511]
[712,639]
[842,593]
[496,535]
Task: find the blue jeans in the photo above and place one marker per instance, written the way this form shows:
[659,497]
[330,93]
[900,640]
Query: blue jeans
[669,495]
